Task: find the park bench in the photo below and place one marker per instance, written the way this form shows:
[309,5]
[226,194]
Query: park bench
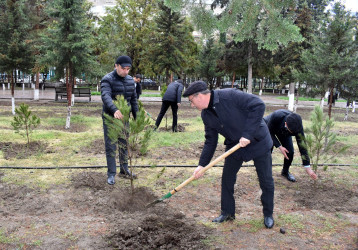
[78,92]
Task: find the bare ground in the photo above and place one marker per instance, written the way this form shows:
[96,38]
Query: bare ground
[88,214]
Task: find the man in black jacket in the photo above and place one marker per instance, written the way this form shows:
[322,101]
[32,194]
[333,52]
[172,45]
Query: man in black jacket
[171,98]
[238,117]
[118,82]
[138,87]
[284,124]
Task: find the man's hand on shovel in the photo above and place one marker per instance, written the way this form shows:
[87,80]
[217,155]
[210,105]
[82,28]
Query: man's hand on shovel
[198,173]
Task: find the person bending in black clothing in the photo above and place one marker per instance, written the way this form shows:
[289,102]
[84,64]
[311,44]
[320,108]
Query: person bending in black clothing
[284,124]
[238,117]
[171,98]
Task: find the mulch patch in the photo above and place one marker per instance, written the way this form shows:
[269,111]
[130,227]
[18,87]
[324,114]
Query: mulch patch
[21,150]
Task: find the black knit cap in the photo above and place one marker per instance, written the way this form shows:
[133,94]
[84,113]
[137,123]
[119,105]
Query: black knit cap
[124,61]
[294,123]
[195,87]
[138,76]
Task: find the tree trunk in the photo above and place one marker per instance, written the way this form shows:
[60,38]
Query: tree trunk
[346,114]
[167,75]
[69,94]
[291,96]
[261,86]
[249,68]
[296,103]
[12,92]
[330,103]
[233,79]
[37,84]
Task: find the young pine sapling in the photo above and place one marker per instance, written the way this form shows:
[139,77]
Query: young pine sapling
[24,122]
[136,132]
[320,142]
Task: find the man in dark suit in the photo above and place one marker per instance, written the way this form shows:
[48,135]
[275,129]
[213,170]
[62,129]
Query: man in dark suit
[284,124]
[238,117]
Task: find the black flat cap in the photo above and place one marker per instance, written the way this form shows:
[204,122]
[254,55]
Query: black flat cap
[138,76]
[294,123]
[124,61]
[195,87]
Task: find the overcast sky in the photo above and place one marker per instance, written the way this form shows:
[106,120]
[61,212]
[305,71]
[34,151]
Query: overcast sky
[351,5]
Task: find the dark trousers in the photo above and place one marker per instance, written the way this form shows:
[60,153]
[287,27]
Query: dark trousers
[163,110]
[111,152]
[286,142]
[263,165]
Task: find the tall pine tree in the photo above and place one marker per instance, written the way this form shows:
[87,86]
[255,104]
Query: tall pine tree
[331,64]
[67,43]
[265,23]
[169,47]
[15,52]
[128,29]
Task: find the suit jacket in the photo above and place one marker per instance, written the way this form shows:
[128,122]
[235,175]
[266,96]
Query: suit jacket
[276,124]
[237,114]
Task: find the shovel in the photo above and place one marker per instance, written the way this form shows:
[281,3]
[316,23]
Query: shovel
[147,113]
[211,164]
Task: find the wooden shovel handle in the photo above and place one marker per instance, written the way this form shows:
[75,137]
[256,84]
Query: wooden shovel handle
[211,164]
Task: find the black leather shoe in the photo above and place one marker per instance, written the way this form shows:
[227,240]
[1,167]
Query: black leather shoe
[289,176]
[268,221]
[111,180]
[223,218]
[126,173]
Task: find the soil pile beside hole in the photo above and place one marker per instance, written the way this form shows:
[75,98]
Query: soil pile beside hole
[112,198]
[157,229]
[327,197]
[132,224]
[21,151]
[94,181]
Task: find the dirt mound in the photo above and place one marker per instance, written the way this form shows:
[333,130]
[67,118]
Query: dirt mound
[180,128]
[327,197]
[157,228]
[94,181]
[21,151]
[116,197]
[134,225]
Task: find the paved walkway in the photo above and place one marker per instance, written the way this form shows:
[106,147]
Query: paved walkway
[49,95]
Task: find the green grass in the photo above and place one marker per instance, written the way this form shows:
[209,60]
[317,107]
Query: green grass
[307,99]
[4,239]
[151,95]
[68,148]
[294,220]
